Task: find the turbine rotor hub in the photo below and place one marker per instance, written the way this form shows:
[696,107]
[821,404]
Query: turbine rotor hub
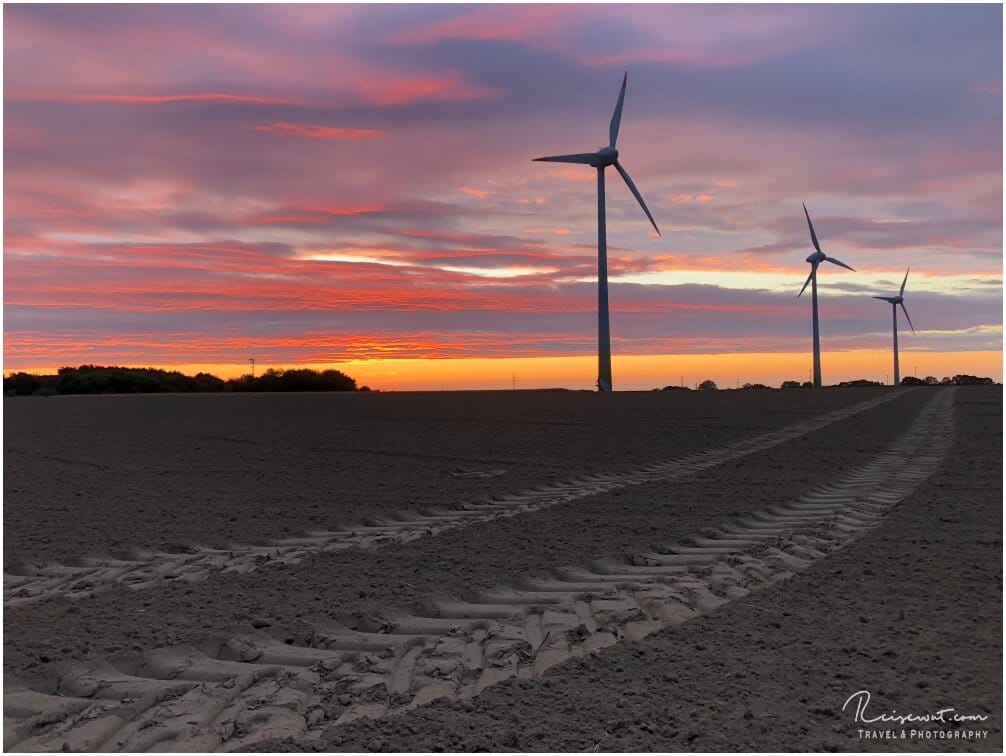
[816,257]
[607,155]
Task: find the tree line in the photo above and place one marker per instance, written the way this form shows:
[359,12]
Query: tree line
[957,380]
[99,379]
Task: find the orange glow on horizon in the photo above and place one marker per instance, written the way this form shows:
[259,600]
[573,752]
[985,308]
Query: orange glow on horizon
[632,372]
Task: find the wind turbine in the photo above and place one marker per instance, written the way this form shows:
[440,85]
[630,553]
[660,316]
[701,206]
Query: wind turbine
[600,160]
[816,259]
[895,301]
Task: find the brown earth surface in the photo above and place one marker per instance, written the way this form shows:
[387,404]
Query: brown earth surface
[481,555]
[89,475]
[911,611]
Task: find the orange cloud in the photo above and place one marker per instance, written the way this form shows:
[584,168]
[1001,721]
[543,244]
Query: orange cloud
[317,131]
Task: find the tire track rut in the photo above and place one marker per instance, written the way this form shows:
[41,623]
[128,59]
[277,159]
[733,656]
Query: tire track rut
[227,694]
[141,568]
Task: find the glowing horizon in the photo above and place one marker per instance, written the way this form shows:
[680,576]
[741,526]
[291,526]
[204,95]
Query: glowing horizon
[638,372]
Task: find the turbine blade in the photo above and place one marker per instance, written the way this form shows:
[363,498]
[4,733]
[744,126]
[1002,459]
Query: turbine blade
[813,236]
[885,299]
[839,262]
[583,158]
[805,283]
[902,292]
[635,191]
[616,118]
[906,315]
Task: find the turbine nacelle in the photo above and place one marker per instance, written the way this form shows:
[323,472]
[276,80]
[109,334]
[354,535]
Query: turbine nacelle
[816,258]
[899,299]
[606,156]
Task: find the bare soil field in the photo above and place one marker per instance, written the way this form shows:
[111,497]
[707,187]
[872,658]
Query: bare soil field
[910,608]
[911,611]
[93,474]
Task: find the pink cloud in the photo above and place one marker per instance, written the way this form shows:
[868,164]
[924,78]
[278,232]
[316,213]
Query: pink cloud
[988,87]
[404,90]
[317,131]
[136,99]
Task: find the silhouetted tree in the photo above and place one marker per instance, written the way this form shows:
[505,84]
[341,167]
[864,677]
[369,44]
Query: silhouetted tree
[971,380]
[97,379]
[790,384]
[709,385]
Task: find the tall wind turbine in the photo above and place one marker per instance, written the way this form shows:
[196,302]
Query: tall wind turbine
[894,302]
[600,160]
[816,259]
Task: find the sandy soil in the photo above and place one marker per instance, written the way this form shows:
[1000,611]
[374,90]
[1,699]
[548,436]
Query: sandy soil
[92,475]
[482,555]
[912,610]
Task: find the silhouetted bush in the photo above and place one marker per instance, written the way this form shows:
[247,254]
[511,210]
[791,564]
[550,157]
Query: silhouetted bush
[300,379]
[96,379]
[708,386]
[754,386]
[909,380]
[971,380]
[790,384]
[861,382]
[674,388]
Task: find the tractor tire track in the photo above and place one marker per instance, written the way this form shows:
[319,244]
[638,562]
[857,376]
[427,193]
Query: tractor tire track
[141,568]
[228,694]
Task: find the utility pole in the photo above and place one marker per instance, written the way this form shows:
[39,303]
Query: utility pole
[252,361]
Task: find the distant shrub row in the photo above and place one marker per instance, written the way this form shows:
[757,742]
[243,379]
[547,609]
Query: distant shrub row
[957,380]
[97,379]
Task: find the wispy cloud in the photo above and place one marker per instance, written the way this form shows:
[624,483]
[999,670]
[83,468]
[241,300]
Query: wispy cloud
[317,131]
[148,99]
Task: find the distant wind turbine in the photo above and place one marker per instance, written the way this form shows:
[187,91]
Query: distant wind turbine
[816,259]
[600,160]
[894,302]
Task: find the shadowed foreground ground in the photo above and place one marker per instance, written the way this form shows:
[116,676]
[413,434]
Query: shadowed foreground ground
[911,611]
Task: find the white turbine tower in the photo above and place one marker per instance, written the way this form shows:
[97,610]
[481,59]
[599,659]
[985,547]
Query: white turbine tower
[600,160]
[816,259]
[894,302]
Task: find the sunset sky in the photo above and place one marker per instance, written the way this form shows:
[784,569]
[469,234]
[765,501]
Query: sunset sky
[352,186]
